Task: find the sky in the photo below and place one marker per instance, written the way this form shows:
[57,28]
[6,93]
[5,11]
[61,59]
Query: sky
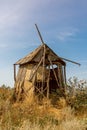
[63,25]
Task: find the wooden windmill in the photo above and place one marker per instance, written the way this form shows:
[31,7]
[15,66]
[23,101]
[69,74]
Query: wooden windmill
[40,72]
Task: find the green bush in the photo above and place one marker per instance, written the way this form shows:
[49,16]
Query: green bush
[77,94]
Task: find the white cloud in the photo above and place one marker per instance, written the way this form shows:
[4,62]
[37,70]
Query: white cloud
[67,33]
[16,11]
[64,35]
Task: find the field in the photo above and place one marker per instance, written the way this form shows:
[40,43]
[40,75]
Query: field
[66,114]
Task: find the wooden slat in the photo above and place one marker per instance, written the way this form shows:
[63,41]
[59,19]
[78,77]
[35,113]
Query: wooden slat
[31,76]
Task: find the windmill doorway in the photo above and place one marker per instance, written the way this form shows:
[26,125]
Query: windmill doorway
[50,83]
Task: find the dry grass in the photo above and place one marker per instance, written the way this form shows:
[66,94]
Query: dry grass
[21,116]
[29,115]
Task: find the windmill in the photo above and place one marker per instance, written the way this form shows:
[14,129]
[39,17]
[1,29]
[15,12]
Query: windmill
[40,72]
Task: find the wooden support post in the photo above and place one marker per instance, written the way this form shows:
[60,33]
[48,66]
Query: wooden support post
[48,81]
[14,72]
[43,71]
[59,70]
[58,74]
[62,76]
[34,80]
[65,79]
[65,73]
[54,72]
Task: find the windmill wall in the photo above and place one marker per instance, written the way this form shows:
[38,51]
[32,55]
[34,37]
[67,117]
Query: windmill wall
[22,85]
[26,88]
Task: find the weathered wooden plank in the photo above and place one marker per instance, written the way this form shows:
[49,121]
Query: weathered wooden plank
[31,76]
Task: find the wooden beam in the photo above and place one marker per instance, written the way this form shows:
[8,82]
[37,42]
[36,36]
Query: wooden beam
[48,81]
[65,85]
[54,72]
[40,93]
[43,70]
[14,72]
[39,34]
[33,73]
[65,73]
[70,61]
[59,71]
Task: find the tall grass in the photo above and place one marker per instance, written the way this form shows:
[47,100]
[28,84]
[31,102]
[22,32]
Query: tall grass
[23,117]
[29,115]
[68,122]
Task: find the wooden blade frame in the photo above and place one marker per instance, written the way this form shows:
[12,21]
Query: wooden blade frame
[70,61]
[39,34]
[59,57]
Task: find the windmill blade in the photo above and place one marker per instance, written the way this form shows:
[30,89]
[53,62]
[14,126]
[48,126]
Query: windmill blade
[70,61]
[43,43]
[39,34]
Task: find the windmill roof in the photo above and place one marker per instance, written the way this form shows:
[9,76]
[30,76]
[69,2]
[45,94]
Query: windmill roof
[35,56]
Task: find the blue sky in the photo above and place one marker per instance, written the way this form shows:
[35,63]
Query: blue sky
[63,24]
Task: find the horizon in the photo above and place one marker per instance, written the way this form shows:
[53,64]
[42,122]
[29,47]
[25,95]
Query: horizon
[62,23]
